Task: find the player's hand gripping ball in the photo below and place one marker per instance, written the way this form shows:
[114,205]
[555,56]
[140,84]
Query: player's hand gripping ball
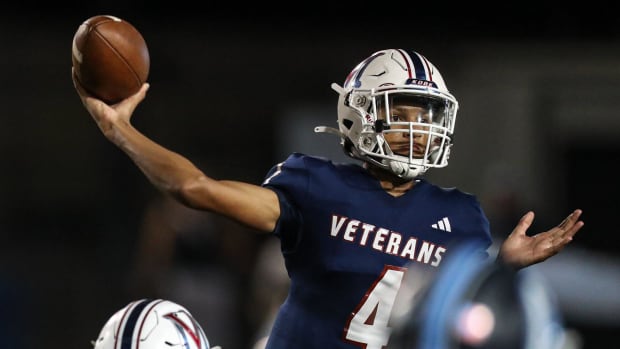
[110,58]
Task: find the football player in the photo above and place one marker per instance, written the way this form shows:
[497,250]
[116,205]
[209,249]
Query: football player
[348,231]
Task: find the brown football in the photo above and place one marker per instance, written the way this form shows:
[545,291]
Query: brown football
[110,58]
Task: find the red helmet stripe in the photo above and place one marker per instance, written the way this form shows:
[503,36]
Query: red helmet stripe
[194,334]
[408,62]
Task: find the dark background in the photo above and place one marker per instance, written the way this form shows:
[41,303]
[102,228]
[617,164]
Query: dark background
[222,76]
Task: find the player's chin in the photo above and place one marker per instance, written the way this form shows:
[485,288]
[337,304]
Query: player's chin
[402,151]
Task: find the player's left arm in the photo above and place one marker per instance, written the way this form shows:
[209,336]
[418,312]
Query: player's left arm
[520,250]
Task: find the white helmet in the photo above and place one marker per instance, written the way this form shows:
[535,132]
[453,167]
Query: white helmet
[370,88]
[152,324]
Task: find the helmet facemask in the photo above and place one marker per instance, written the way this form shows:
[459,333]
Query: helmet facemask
[402,130]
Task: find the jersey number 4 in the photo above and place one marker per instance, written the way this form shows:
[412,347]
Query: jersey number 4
[368,327]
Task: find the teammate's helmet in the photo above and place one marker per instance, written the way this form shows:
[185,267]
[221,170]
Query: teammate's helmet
[372,86]
[152,324]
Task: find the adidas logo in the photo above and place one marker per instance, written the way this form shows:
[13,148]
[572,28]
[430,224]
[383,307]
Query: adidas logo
[443,224]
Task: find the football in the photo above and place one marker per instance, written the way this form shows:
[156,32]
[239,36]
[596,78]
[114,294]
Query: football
[110,58]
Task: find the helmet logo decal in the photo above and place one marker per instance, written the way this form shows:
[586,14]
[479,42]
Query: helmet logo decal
[359,70]
[421,82]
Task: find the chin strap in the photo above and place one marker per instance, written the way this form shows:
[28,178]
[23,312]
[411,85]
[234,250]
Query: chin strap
[402,170]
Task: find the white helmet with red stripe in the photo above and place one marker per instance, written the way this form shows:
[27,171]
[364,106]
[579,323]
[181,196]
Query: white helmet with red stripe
[371,87]
[152,324]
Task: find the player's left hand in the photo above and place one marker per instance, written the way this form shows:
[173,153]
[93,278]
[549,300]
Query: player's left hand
[520,250]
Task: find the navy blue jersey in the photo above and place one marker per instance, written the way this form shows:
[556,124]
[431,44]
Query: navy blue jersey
[347,243]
